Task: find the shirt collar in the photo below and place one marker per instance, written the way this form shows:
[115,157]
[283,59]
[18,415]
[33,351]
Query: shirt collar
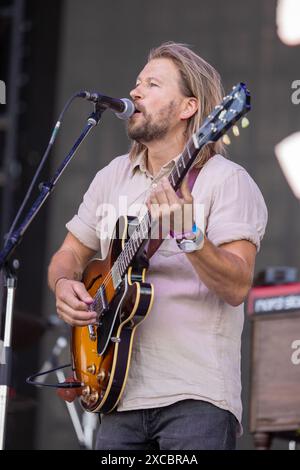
[140,162]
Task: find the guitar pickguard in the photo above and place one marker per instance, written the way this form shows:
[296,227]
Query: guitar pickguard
[110,319]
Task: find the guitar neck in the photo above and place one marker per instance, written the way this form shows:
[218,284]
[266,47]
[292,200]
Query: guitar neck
[184,163]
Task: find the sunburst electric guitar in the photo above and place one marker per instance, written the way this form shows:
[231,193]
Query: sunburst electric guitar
[121,296]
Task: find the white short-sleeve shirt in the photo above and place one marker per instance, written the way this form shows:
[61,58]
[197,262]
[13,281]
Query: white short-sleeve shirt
[189,346]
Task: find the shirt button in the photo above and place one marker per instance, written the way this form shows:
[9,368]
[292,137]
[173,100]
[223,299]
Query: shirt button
[153,185]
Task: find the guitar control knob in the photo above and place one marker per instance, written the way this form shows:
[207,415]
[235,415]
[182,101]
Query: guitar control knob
[101,376]
[86,390]
[94,397]
[91,369]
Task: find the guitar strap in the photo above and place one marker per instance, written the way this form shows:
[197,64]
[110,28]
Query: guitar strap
[154,244]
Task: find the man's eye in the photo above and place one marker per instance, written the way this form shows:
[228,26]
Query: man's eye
[153,84]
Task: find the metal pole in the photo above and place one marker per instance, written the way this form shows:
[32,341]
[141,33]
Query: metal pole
[11,283]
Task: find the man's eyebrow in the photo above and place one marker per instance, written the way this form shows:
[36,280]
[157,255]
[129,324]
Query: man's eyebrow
[149,78]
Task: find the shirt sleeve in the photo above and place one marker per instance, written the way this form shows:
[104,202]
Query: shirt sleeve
[238,211]
[83,224]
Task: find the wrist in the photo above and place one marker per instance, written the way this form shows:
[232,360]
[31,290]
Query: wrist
[189,245]
[188,235]
[57,281]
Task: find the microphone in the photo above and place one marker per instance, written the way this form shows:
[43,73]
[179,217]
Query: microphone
[122,107]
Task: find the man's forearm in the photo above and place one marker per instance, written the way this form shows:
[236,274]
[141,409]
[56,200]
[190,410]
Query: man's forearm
[64,264]
[225,273]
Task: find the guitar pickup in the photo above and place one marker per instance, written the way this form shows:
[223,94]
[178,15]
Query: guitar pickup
[103,298]
[92,333]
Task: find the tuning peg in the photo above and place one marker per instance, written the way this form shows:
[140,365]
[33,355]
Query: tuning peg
[226,139]
[245,122]
[235,131]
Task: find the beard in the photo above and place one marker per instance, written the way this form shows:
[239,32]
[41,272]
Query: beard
[151,128]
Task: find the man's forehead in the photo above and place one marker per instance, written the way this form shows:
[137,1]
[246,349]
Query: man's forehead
[158,69]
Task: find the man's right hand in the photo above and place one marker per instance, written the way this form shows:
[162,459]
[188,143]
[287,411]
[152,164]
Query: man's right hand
[72,303]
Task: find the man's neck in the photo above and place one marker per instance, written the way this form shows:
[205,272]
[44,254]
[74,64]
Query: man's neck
[161,152]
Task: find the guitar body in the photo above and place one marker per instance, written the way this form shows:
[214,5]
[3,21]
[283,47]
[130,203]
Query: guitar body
[101,354]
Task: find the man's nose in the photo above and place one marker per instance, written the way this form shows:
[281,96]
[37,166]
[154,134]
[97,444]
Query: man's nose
[136,93]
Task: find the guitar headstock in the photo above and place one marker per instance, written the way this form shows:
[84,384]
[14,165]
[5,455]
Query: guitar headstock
[224,115]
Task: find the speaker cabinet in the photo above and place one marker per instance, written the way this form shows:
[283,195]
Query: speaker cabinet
[275,363]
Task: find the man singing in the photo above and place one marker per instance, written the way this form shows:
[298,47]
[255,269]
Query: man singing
[183,387]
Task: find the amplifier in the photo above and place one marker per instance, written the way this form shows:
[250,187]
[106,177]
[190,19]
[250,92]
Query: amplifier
[271,299]
[275,361]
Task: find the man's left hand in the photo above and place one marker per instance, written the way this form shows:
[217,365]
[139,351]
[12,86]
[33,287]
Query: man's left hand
[175,214]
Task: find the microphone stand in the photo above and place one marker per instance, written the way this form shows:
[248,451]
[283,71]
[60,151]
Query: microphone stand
[9,268]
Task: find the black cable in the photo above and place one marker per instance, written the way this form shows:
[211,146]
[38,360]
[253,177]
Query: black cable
[31,379]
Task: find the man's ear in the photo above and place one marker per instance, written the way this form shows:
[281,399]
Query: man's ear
[190,107]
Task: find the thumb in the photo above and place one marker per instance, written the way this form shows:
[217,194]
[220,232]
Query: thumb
[82,293]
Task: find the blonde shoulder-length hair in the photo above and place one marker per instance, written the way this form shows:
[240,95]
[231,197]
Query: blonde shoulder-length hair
[198,79]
